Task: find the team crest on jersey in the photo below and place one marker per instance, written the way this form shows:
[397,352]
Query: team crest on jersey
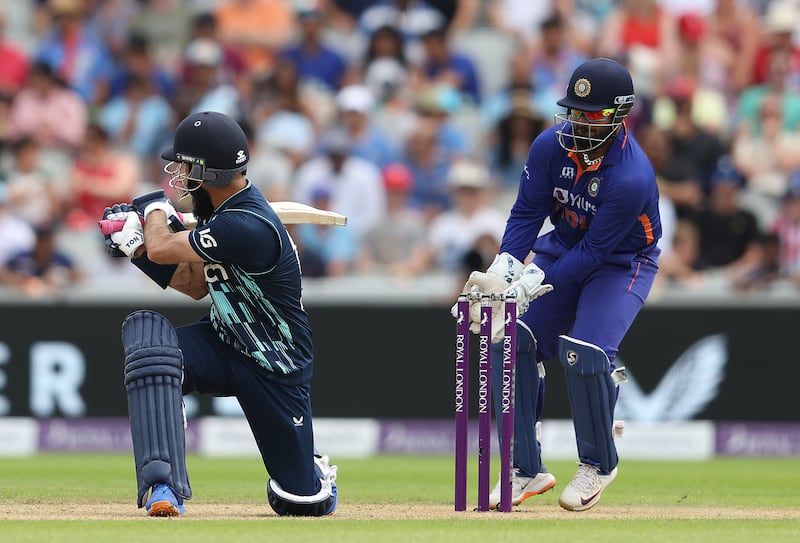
[583,87]
[593,187]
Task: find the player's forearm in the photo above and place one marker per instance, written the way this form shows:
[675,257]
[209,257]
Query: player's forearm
[190,279]
[165,246]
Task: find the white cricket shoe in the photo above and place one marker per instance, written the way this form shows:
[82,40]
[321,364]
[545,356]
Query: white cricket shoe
[523,488]
[584,490]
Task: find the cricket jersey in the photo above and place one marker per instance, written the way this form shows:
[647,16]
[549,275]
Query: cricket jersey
[604,214]
[252,273]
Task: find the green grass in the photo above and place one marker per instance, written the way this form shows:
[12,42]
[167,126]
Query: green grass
[70,484]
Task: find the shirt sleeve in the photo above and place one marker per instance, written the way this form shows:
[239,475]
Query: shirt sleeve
[533,205]
[240,238]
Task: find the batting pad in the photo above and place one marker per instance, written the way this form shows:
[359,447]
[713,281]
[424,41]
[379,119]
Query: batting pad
[592,396]
[153,374]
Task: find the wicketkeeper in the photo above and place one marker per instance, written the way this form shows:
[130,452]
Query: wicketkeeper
[255,343]
[589,177]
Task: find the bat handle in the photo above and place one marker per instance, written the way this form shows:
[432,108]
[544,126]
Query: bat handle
[107,226]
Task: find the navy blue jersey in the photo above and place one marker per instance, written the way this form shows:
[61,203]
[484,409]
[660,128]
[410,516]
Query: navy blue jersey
[253,277]
[604,214]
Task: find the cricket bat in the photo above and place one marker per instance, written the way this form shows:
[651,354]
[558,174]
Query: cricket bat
[288,212]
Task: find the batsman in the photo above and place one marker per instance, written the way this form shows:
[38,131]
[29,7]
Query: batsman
[587,279]
[255,344]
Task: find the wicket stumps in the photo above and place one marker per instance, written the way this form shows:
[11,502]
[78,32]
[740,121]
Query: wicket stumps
[506,415]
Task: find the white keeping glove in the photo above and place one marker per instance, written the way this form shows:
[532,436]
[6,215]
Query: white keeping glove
[528,287]
[131,237]
[164,205]
[497,278]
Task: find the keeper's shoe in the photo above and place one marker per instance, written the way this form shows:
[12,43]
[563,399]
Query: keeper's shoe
[523,487]
[163,502]
[584,490]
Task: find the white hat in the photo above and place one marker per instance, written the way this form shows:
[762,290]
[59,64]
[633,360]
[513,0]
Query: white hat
[781,16]
[355,98]
[468,174]
[204,52]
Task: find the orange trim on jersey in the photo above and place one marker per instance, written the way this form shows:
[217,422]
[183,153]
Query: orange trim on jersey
[593,168]
[648,227]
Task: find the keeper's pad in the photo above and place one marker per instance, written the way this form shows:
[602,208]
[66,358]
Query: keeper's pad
[153,375]
[527,398]
[592,396]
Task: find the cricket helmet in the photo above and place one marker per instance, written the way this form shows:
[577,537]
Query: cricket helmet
[599,96]
[213,145]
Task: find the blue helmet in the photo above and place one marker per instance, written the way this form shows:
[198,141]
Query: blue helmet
[599,97]
[214,146]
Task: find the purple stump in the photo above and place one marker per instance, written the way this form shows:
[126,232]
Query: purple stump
[462,401]
[484,402]
[507,403]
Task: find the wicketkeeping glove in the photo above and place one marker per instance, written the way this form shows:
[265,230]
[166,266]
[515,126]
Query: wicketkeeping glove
[497,278]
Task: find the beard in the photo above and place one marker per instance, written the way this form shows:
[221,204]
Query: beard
[202,208]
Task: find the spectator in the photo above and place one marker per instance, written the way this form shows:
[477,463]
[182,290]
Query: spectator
[729,235]
[780,22]
[257,29]
[325,251]
[316,62]
[751,99]
[678,265]
[76,53]
[553,59]
[694,148]
[232,69]
[269,168]
[384,68]
[166,25]
[17,235]
[646,35]
[355,185]
[205,91]
[767,159]
[454,233]
[521,19]
[141,121]
[734,30]
[32,192]
[43,270]
[787,227]
[511,140]
[395,245]
[280,92]
[47,112]
[433,144]
[676,181]
[443,66]
[101,177]
[413,18]
[355,105]
[13,63]
[137,61]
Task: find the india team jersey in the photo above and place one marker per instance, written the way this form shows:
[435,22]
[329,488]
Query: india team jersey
[607,213]
[253,278]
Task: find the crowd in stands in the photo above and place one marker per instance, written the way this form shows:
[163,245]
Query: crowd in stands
[411,117]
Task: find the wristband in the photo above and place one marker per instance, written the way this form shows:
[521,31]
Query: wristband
[160,273]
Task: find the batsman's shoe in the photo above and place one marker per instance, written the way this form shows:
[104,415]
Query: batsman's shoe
[328,479]
[164,502]
[584,490]
[523,488]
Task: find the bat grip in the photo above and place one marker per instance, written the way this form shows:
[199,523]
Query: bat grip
[107,226]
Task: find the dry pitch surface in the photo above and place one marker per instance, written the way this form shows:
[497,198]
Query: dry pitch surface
[217,511]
